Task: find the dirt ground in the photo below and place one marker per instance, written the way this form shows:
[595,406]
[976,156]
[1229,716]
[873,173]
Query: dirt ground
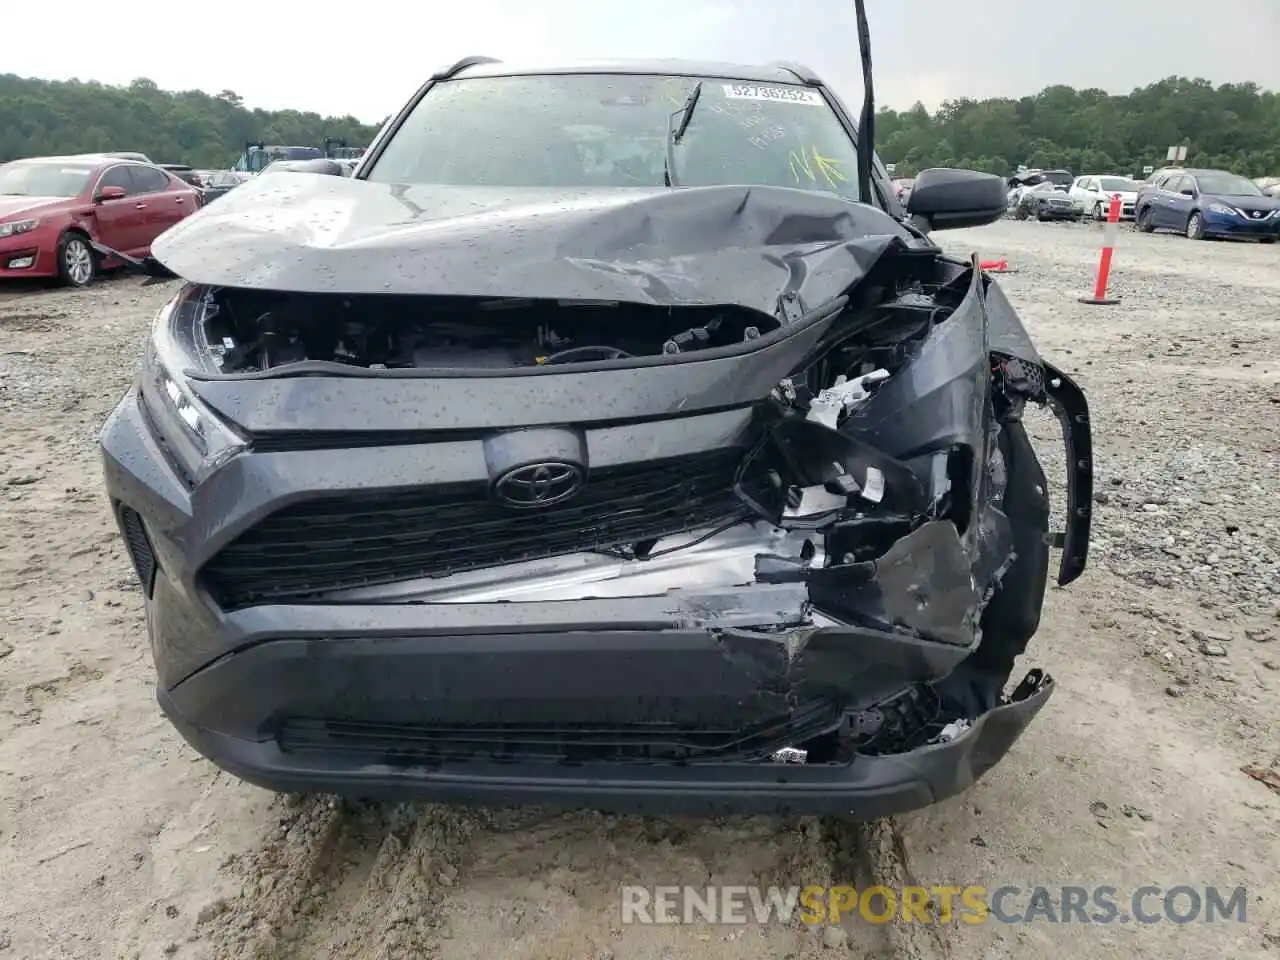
[116,840]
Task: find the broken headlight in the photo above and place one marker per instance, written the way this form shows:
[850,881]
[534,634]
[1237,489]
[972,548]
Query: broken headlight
[195,438]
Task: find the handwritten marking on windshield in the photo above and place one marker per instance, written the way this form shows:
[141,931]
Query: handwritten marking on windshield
[766,138]
[814,166]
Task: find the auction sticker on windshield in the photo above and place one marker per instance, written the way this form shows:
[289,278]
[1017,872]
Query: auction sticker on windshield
[746,91]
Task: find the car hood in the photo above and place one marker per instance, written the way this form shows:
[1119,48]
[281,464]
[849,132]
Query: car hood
[12,206]
[745,246]
[1244,203]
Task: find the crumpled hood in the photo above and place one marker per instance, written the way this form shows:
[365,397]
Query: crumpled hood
[10,207]
[698,245]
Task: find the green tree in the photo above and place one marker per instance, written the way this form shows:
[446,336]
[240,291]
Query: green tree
[47,117]
[1235,126]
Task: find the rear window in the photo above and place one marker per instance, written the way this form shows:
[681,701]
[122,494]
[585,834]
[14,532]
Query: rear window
[605,130]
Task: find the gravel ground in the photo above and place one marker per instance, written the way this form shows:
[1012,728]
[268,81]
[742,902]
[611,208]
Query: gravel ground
[116,840]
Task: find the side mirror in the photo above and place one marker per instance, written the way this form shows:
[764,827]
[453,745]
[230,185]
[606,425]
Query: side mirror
[942,198]
[1188,191]
[110,193]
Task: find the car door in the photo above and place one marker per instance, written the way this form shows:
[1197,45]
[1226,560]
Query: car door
[1160,200]
[164,202]
[1182,198]
[120,222]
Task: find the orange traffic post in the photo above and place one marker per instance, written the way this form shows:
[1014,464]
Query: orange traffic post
[1109,232]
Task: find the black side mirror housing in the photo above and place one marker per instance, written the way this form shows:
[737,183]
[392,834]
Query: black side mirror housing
[321,165]
[943,199]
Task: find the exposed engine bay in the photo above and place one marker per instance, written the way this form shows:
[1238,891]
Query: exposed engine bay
[255,331]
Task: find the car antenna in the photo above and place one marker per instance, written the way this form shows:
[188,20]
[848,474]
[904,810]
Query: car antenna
[867,122]
[675,131]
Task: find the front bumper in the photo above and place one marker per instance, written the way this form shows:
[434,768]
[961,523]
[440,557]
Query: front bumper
[866,788]
[28,255]
[1234,225]
[1057,213]
[387,696]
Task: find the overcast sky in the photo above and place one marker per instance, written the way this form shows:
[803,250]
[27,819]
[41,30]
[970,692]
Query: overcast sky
[364,57]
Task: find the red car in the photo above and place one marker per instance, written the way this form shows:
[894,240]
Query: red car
[52,207]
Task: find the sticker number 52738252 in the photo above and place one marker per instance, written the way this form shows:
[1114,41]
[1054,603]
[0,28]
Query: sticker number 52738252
[750,91]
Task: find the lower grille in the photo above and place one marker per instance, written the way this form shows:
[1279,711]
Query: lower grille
[368,538]
[398,743]
[139,546]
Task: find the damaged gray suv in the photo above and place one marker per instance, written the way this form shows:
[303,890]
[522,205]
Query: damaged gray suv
[613,438]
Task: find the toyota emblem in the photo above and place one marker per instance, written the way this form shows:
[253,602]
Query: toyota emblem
[539,484]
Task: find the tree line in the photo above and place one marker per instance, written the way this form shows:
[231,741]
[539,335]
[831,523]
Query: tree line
[1233,126]
[53,117]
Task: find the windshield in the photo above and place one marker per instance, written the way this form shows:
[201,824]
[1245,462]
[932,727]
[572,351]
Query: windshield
[605,130]
[1117,185]
[1227,185]
[20,179]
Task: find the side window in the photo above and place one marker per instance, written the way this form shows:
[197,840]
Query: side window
[149,180]
[118,177]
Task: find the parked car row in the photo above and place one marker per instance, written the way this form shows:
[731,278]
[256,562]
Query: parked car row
[1207,203]
[53,210]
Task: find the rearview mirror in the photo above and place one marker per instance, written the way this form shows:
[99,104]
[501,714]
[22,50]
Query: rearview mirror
[942,199]
[110,193]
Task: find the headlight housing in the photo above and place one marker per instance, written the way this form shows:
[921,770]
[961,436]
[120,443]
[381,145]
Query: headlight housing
[1219,208]
[197,440]
[15,227]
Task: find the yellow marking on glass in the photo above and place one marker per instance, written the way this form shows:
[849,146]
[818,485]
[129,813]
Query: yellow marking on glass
[814,165]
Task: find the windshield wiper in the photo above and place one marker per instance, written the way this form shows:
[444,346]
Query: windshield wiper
[675,133]
[867,122]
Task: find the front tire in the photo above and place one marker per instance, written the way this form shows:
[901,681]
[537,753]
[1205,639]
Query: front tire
[1097,210]
[1144,221]
[1195,226]
[77,265]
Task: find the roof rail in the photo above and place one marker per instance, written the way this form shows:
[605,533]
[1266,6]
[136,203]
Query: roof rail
[799,71]
[461,65]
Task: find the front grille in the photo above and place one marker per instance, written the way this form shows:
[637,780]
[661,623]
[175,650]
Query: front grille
[367,538]
[635,743]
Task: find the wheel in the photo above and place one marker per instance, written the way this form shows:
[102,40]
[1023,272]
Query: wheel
[1022,213]
[1144,220]
[77,265]
[1097,210]
[1195,227]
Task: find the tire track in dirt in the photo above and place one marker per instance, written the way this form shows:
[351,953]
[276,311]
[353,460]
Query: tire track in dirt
[348,881]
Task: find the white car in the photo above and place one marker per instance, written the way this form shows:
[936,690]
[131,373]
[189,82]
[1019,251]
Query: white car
[1092,195]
